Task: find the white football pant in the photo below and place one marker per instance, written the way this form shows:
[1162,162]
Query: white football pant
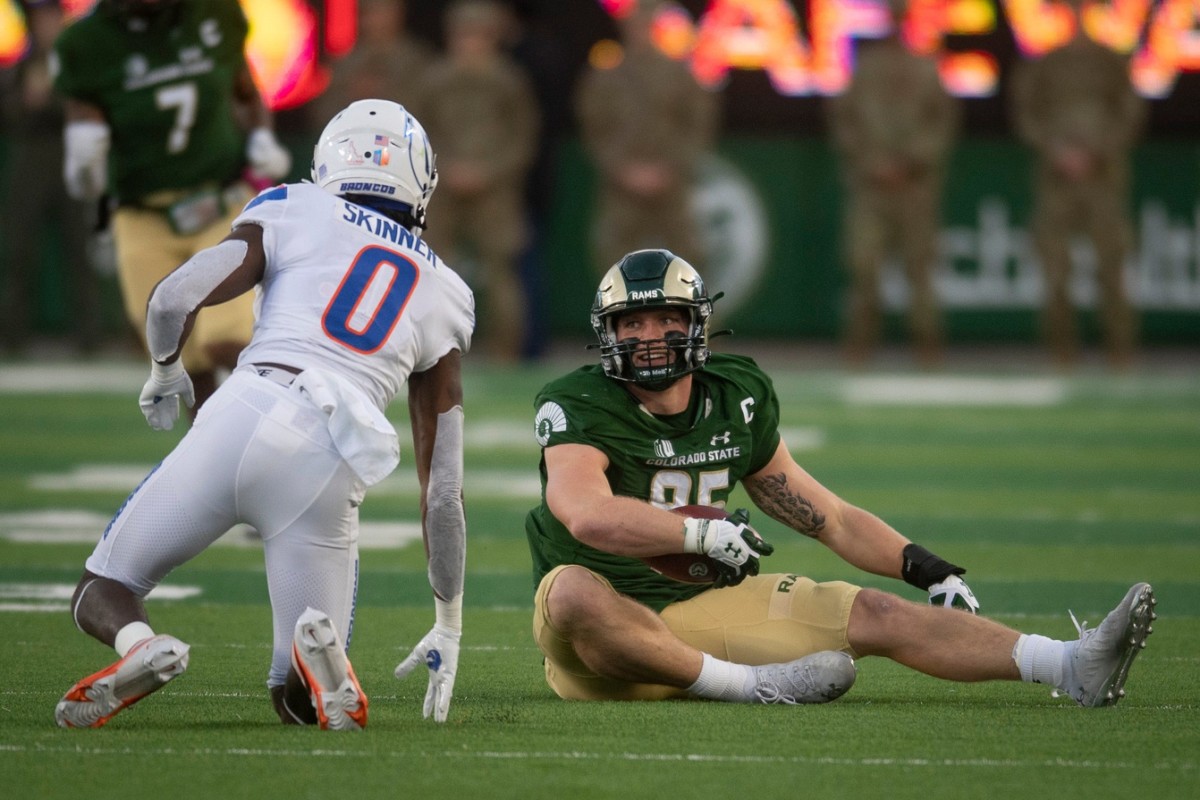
[258,453]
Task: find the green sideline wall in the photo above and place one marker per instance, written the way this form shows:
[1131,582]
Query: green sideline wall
[797,289]
[800,293]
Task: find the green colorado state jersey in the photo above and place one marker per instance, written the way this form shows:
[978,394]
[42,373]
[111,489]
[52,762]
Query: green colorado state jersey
[167,93]
[730,430]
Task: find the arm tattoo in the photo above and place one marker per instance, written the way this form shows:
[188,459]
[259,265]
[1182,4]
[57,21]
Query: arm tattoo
[772,495]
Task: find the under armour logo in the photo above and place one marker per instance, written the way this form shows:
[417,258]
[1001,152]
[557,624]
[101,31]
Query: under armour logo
[720,439]
[433,660]
[733,548]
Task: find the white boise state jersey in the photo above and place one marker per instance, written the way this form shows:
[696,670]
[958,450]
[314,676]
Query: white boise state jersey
[348,289]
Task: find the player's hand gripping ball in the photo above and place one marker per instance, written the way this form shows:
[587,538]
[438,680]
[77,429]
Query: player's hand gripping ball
[703,567]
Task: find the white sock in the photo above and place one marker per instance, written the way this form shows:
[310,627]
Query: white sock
[724,680]
[130,635]
[1041,659]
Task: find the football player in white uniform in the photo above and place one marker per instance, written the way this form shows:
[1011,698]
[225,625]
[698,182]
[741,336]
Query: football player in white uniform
[352,306]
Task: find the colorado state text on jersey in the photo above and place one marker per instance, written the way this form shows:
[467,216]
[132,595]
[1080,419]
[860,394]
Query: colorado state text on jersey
[703,457]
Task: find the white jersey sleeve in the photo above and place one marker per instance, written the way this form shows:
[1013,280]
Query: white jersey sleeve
[349,290]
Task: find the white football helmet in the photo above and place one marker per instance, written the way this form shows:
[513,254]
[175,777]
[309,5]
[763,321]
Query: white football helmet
[376,148]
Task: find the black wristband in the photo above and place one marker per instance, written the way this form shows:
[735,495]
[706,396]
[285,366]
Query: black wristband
[923,569]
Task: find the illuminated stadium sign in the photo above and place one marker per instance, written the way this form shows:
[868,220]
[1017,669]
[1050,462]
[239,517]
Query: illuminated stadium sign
[804,47]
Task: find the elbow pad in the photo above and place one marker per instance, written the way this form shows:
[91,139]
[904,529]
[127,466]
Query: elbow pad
[184,291]
[445,519]
[85,160]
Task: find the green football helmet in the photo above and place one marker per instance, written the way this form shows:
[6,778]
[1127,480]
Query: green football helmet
[652,279]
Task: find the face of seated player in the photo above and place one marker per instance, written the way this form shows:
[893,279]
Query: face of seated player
[652,326]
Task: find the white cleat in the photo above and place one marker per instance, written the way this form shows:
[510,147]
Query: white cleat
[1102,659]
[815,678]
[146,668]
[320,660]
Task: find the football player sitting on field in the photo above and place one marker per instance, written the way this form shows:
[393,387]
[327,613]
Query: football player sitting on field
[622,610]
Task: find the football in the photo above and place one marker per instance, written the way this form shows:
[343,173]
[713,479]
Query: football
[688,567]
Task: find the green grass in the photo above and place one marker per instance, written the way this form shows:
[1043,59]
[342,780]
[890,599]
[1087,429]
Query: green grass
[1051,508]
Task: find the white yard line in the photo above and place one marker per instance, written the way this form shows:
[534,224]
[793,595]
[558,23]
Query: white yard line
[920,390]
[102,377]
[576,756]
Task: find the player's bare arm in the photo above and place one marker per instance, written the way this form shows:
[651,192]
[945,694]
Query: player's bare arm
[252,111]
[782,500]
[787,493]
[78,111]
[268,160]
[578,493]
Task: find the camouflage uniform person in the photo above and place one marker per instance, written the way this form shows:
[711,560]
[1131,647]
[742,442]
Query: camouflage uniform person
[162,113]
[1078,111]
[894,128]
[646,123]
[481,114]
[387,62]
[33,120]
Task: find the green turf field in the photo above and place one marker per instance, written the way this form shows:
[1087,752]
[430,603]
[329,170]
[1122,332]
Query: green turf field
[1055,493]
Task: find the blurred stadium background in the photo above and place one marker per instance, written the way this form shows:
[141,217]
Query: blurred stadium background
[770,194]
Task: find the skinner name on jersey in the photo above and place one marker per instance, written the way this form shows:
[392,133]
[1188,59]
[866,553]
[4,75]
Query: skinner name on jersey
[385,228]
[690,459]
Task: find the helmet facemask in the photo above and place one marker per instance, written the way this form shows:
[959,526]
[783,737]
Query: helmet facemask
[649,279]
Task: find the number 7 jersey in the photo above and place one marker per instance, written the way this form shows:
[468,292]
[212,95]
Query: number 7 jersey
[347,289]
[166,92]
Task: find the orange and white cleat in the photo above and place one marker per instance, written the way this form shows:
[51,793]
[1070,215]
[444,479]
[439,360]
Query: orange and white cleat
[320,660]
[150,665]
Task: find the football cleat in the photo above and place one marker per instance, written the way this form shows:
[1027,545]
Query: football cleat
[815,678]
[146,668]
[1101,661]
[320,660]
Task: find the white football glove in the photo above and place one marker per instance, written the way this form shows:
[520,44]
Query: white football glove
[439,652]
[266,156]
[85,159]
[953,592]
[102,253]
[731,542]
[160,396]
